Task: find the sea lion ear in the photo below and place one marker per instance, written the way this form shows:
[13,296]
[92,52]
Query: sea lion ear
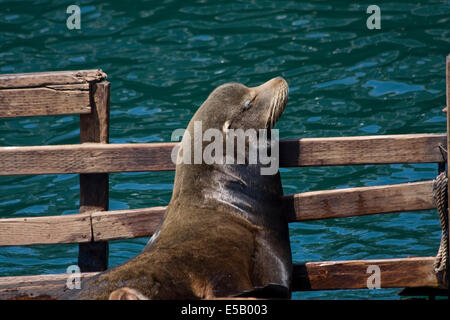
[226,126]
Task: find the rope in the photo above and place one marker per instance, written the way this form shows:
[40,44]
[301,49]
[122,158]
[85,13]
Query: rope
[440,199]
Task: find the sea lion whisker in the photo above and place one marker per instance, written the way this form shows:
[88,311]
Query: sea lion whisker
[273,107]
[282,102]
[268,117]
[275,110]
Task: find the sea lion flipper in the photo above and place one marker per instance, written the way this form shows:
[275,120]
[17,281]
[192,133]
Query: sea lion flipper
[127,294]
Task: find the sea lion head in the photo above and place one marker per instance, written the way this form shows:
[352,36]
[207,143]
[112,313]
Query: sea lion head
[236,106]
[236,112]
[239,148]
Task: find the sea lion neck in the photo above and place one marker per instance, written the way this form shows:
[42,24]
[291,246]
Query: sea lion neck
[238,188]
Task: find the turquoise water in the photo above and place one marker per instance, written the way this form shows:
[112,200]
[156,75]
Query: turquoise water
[164,57]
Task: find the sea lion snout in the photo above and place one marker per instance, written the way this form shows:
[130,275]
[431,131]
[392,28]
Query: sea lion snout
[272,96]
[277,81]
[272,86]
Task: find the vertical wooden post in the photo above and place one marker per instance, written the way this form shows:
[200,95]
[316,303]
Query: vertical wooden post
[448,157]
[94,191]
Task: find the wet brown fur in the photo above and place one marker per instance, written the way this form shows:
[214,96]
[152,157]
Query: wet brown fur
[180,265]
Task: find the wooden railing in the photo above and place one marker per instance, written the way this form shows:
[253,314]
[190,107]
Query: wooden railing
[81,92]
[86,93]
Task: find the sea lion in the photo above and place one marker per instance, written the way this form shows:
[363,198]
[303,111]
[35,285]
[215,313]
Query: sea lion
[224,233]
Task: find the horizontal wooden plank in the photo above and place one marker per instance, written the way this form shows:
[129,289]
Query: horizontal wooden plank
[360,201]
[86,158]
[97,158]
[49,100]
[326,275]
[45,230]
[36,287]
[38,79]
[353,274]
[79,228]
[382,149]
[125,224]
[135,223]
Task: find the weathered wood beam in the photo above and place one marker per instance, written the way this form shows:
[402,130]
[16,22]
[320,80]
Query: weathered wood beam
[47,93]
[382,149]
[99,158]
[325,275]
[42,79]
[45,230]
[85,158]
[124,224]
[94,187]
[43,286]
[80,228]
[48,100]
[353,274]
[360,201]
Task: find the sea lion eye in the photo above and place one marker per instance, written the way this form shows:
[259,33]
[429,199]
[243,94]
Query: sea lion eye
[247,104]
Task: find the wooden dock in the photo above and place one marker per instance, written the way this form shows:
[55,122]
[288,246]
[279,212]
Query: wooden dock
[86,93]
